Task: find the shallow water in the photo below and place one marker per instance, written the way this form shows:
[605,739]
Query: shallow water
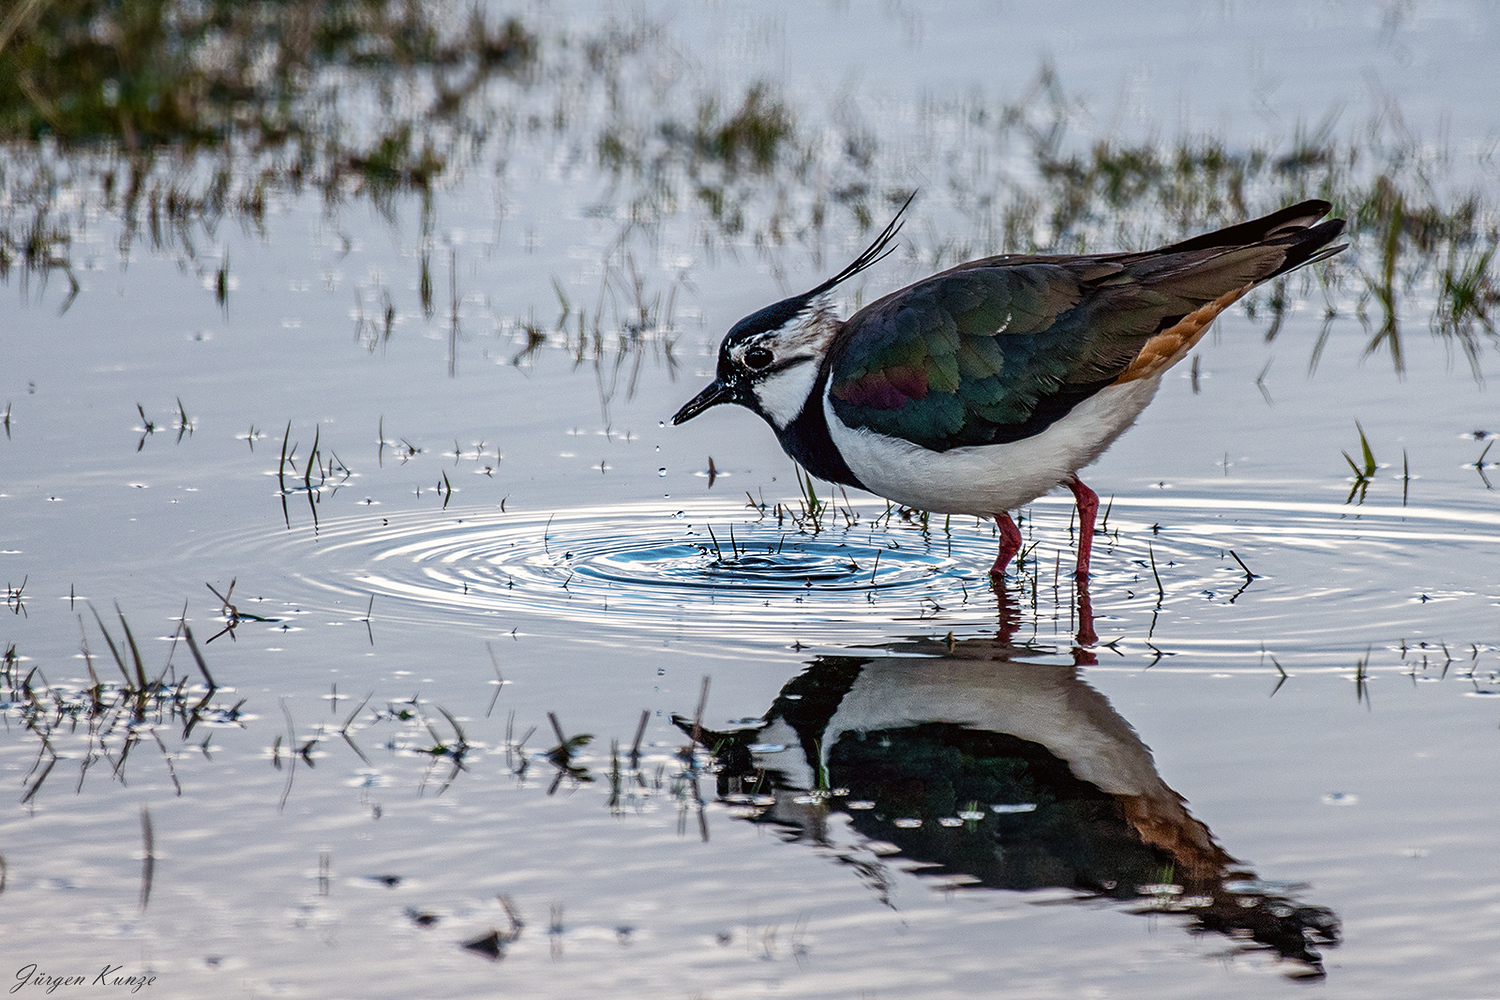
[825,758]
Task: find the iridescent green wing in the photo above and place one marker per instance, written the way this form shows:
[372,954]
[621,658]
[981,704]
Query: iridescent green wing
[989,352]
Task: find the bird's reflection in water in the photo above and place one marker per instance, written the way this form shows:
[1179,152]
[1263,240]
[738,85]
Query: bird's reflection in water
[994,765]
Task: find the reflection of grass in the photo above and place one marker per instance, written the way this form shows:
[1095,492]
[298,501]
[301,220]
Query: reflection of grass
[1466,293]
[158,73]
[173,116]
[723,162]
[627,324]
[1383,182]
[751,136]
[112,717]
[1072,192]
[39,247]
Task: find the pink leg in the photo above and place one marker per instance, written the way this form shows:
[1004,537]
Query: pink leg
[1010,544]
[1088,509]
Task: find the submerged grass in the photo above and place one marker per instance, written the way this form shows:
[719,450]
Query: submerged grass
[1364,471]
[113,717]
[330,471]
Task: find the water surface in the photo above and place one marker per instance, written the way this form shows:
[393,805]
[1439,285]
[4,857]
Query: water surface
[501,682]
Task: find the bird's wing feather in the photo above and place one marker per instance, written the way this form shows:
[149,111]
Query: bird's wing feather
[983,355]
[995,350]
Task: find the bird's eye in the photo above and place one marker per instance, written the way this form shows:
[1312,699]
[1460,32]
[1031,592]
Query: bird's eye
[757,358]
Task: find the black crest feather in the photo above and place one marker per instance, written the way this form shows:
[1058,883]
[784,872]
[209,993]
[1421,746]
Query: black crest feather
[872,255]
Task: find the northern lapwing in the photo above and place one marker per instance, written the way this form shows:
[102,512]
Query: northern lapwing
[981,388]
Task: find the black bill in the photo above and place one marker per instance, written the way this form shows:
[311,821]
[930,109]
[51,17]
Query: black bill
[716,393]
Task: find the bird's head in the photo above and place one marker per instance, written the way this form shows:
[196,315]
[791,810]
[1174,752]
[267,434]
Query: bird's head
[768,362]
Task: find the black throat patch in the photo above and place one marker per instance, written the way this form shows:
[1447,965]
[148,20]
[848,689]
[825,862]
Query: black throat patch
[807,440]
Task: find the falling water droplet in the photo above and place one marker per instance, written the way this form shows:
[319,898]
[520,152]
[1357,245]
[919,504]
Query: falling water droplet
[661,423]
[662,471]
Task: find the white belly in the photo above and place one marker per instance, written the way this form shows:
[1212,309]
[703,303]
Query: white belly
[993,478]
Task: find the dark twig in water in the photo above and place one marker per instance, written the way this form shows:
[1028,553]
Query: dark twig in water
[1363,473]
[561,755]
[184,425]
[698,714]
[1249,577]
[640,732]
[291,738]
[198,658]
[344,729]
[1479,465]
[1160,592]
[285,458]
[1361,681]
[148,863]
[13,597]
[147,429]
[499,679]
[453,314]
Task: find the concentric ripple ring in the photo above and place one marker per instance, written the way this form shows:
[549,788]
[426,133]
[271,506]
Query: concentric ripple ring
[730,572]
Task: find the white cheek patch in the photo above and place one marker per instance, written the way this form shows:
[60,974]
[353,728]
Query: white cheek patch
[783,394]
[798,346]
